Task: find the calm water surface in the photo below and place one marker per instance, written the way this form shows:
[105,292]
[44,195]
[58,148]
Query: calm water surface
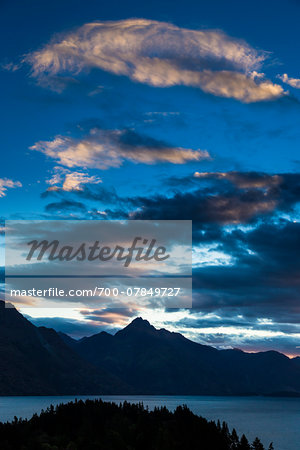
[271,419]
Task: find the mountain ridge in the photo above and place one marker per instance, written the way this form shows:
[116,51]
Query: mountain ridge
[157,361]
[36,361]
[139,359]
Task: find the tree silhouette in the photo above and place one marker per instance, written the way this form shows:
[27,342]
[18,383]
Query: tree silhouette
[98,425]
[244,444]
[257,445]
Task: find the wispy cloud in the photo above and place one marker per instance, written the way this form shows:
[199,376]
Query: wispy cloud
[110,148]
[294,82]
[159,54]
[64,179]
[5,184]
[10,66]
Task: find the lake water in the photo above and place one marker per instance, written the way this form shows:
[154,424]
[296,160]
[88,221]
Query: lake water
[271,419]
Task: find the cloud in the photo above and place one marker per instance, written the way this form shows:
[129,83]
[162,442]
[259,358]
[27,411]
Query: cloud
[72,327]
[294,82]
[92,192]
[159,54]
[111,317]
[88,193]
[70,181]
[211,199]
[5,184]
[225,198]
[243,180]
[64,206]
[263,282]
[236,331]
[10,66]
[102,149]
[222,208]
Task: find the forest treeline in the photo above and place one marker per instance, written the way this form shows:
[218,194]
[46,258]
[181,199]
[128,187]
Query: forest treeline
[98,425]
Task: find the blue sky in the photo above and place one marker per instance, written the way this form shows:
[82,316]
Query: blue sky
[165,110]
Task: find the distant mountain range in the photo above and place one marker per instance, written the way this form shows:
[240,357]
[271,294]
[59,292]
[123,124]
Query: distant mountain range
[136,360]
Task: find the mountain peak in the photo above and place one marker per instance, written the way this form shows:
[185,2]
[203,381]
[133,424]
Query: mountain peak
[136,326]
[140,322]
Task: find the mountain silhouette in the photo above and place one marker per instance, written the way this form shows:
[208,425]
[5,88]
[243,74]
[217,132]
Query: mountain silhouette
[162,362]
[138,359]
[36,361]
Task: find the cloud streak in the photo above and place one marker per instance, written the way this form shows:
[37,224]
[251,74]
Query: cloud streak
[244,180]
[103,149]
[159,54]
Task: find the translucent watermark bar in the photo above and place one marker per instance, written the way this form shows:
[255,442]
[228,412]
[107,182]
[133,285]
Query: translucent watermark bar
[148,263]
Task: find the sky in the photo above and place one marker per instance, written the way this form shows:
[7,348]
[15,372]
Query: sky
[164,110]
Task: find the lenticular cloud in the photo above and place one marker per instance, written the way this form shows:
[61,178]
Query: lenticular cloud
[159,54]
